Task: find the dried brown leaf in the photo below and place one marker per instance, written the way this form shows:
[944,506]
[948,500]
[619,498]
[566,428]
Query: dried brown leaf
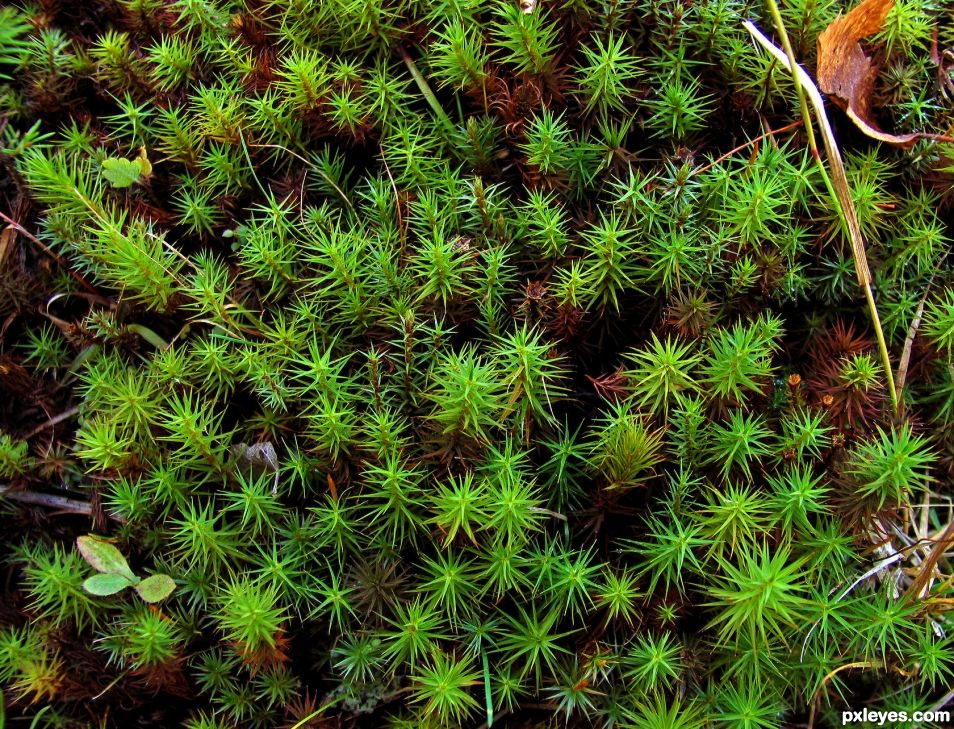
[847,75]
[7,237]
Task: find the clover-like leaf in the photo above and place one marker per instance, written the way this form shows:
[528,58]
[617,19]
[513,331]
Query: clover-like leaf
[156,588]
[120,172]
[107,583]
[104,557]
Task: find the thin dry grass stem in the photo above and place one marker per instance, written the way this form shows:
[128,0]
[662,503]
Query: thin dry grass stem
[312,166]
[848,666]
[908,345]
[920,587]
[906,555]
[943,701]
[56,420]
[920,550]
[838,185]
[920,573]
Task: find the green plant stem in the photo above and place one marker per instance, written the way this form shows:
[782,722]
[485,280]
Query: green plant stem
[427,92]
[799,91]
[317,712]
[838,187]
[488,700]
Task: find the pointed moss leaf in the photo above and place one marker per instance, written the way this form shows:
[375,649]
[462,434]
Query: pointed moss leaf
[156,588]
[122,172]
[108,583]
[104,557]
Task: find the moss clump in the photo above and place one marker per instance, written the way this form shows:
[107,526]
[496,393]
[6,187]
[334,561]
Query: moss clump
[469,362]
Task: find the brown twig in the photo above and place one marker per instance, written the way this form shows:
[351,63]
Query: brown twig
[43,247]
[926,569]
[746,145]
[53,421]
[62,503]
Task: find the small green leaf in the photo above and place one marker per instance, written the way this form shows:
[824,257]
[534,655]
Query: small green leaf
[104,557]
[149,335]
[122,172]
[108,583]
[156,588]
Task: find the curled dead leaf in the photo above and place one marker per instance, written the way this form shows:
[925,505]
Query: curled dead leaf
[848,76]
[259,458]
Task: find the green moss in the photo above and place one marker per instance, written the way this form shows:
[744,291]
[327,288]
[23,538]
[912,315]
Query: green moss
[470,359]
